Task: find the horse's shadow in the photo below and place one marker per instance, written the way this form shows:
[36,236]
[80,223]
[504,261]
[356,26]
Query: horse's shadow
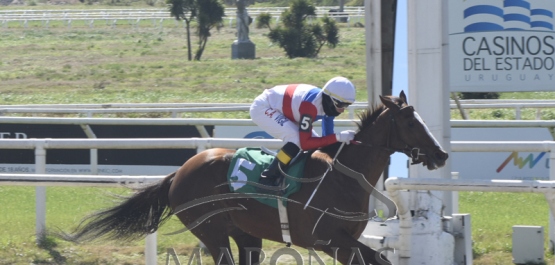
[49,244]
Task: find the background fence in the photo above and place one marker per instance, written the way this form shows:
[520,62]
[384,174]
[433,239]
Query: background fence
[176,109]
[157,16]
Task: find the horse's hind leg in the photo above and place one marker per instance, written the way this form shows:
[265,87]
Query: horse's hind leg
[247,245]
[213,234]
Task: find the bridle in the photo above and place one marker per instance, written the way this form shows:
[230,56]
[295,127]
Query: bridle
[411,152]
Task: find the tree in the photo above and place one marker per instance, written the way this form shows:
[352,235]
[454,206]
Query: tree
[299,39]
[479,95]
[263,20]
[186,10]
[208,14]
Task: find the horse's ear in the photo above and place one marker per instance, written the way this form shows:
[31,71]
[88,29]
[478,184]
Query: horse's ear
[403,97]
[390,104]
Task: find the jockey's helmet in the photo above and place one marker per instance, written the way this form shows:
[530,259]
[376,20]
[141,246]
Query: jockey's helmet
[339,93]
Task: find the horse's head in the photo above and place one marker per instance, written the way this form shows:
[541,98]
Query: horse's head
[410,134]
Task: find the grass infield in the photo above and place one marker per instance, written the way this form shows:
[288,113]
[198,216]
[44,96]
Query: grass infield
[145,64]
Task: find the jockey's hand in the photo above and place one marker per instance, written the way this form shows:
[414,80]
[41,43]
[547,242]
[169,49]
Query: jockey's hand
[345,136]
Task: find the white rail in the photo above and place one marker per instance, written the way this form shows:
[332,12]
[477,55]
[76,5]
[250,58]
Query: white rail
[157,15]
[184,105]
[137,143]
[174,109]
[178,108]
[502,124]
[74,180]
[146,12]
[142,121]
[249,122]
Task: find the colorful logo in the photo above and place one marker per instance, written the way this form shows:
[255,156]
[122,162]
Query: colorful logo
[520,162]
[507,15]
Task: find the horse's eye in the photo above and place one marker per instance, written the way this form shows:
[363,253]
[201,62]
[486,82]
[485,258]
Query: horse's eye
[411,123]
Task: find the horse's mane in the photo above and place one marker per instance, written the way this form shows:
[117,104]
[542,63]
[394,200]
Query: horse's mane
[372,113]
[367,118]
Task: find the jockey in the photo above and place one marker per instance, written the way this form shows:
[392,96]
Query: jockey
[287,112]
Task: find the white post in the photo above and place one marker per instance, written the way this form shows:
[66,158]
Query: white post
[373,49]
[150,249]
[93,152]
[40,192]
[455,194]
[551,220]
[374,67]
[429,94]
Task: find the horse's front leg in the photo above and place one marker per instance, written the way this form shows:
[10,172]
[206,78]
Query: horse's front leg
[348,250]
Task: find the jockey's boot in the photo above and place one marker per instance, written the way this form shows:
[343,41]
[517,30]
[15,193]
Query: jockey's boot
[271,175]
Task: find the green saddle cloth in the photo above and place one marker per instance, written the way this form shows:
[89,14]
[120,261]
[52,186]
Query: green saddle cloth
[247,165]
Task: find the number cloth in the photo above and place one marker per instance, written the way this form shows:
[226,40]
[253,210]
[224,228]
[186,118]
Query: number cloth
[248,163]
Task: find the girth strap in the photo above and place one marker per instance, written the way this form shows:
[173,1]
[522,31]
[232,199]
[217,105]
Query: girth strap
[284,222]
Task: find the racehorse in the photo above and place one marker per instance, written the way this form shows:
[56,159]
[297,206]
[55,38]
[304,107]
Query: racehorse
[333,222]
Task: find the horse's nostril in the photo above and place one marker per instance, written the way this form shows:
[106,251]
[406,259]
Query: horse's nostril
[441,155]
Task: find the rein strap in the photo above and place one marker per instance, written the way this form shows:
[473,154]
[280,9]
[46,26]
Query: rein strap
[359,177]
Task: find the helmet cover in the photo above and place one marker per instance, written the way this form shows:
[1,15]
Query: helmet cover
[341,89]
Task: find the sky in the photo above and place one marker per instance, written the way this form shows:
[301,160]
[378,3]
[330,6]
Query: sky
[398,167]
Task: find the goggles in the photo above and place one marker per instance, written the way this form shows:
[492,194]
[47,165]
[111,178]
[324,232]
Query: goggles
[339,104]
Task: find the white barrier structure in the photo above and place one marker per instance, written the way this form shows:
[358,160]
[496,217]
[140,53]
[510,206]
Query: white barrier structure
[428,237]
[395,186]
[40,180]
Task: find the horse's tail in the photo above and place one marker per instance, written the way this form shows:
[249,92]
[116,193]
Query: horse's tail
[138,215]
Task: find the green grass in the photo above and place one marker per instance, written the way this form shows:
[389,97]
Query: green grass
[117,65]
[58,65]
[65,207]
[493,215]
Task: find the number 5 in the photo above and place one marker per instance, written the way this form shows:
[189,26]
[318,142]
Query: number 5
[305,124]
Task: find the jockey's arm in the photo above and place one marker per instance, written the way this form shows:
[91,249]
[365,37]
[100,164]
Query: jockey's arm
[306,139]
[327,125]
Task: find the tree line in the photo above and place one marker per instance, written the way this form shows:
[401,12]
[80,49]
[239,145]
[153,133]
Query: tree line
[293,34]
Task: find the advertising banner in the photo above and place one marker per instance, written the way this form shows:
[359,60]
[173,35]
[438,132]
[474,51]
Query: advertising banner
[110,161]
[501,46]
[501,165]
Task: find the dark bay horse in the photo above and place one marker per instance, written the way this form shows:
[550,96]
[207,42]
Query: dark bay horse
[195,194]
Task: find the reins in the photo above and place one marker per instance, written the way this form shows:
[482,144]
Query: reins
[411,152]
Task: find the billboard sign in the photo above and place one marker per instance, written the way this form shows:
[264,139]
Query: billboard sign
[110,161]
[501,46]
[501,165]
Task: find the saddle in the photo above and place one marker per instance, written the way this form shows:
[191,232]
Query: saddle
[248,163]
